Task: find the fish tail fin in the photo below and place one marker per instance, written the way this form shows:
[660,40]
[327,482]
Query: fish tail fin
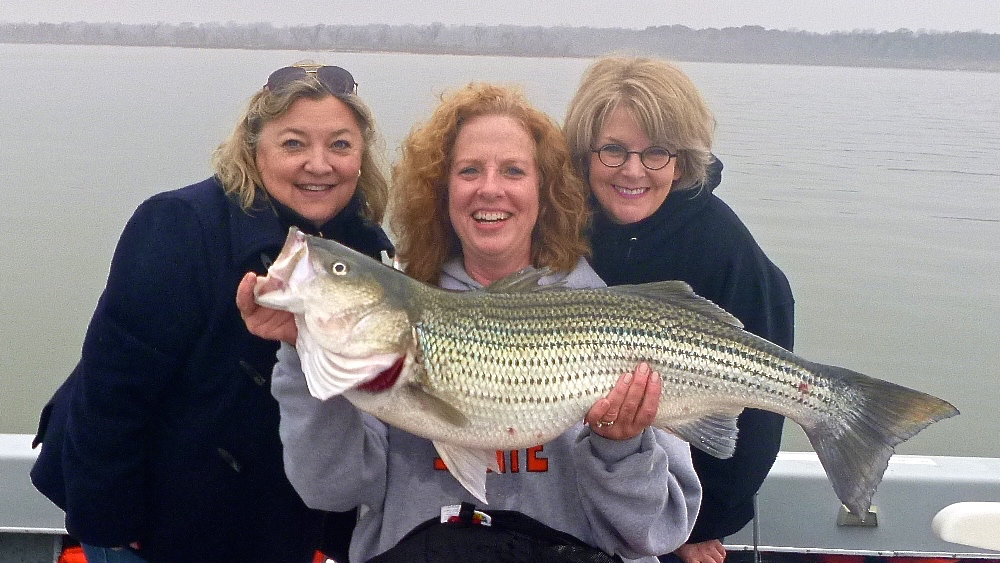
[854,446]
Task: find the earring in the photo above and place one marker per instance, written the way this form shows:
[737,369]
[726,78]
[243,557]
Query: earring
[359,173]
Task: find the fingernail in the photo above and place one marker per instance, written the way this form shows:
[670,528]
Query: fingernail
[627,379]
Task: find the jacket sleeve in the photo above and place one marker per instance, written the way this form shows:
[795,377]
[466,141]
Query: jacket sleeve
[150,314]
[759,295]
[621,487]
[335,455]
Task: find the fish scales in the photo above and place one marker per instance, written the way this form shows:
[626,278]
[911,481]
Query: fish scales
[513,366]
[598,339]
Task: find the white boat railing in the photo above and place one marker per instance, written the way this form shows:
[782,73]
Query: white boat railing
[924,507]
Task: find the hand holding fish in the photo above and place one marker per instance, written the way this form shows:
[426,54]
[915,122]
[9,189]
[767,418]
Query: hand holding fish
[267,323]
[629,407]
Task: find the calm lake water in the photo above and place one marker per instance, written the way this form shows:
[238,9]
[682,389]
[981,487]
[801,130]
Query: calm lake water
[877,191]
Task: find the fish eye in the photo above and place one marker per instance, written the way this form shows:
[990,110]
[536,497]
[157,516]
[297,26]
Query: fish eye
[339,269]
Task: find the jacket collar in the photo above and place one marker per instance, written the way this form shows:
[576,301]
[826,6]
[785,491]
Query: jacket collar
[253,231]
[264,227]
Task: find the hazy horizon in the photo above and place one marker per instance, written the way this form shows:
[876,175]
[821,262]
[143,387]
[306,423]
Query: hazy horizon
[846,15]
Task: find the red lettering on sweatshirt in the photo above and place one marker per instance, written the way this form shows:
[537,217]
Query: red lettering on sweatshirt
[533,462]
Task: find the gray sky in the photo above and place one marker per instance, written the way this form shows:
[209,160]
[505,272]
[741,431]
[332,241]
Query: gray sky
[809,15]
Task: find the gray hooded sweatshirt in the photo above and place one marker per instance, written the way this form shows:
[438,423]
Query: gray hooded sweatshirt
[635,498]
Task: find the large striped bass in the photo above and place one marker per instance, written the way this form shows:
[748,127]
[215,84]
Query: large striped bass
[515,365]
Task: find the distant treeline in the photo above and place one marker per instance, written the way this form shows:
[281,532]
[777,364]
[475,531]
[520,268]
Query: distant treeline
[747,44]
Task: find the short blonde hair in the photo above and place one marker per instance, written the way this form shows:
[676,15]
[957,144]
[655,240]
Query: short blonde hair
[419,217]
[661,98]
[235,161]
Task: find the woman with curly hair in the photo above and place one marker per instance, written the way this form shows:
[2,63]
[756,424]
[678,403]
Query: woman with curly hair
[484,189]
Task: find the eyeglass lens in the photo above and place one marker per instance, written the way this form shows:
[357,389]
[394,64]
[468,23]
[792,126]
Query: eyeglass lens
[653,158]
[333,78]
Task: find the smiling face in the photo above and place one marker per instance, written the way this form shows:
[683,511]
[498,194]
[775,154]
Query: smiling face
[310,157]
[493,195]
[630,192]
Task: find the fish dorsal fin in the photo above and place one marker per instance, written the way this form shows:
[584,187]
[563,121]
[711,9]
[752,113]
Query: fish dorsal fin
[714,434]
[524,281]
[469,466]
[679,293]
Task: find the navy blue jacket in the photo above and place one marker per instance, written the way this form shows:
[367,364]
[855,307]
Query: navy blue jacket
[166,432]
[695,237]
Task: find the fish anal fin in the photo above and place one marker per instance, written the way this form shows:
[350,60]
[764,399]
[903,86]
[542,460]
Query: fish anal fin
[680,294]
[714,434]
[468,466]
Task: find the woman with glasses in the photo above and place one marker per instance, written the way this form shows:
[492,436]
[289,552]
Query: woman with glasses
[484,189]
[641,135]
[163,443]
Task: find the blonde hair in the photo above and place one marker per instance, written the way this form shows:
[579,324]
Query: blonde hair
[235,161]
[419,199]
[661,98]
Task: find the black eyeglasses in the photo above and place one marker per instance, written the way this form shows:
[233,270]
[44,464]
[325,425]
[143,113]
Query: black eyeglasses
[614,155]
[335,79]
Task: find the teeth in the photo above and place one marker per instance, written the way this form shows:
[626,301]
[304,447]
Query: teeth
[313,187]
[490,215]
[630,191]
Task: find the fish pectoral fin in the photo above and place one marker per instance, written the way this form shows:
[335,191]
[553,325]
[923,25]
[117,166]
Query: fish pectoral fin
[469,466]
[680,294]
[714,434]
[439,407]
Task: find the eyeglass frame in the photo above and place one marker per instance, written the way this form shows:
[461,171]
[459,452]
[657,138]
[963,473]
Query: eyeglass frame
[628,154]
[342,77]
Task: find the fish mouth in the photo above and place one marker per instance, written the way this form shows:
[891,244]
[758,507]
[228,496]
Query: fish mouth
[491,216]
[629,192]
[268,284]
[280,273]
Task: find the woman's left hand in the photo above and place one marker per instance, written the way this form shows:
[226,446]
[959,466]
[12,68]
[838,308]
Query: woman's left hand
[630,407]
[264,322]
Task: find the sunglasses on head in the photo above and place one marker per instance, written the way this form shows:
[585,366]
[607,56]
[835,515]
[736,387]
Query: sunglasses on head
[335,79]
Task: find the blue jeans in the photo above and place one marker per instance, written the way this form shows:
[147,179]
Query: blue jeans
[96,554]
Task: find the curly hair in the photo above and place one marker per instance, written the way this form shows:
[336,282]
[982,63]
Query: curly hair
[418,203]
[235,160]
[661,98]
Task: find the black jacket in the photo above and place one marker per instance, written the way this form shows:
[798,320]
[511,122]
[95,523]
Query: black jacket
[695,237]
[166,432]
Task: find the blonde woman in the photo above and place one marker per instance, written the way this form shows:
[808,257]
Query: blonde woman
[163,443]
[641,135]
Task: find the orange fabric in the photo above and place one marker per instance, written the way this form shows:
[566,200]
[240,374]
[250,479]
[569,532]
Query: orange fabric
[72,555]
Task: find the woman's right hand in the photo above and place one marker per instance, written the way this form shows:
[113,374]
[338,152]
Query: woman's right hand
[270,324]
